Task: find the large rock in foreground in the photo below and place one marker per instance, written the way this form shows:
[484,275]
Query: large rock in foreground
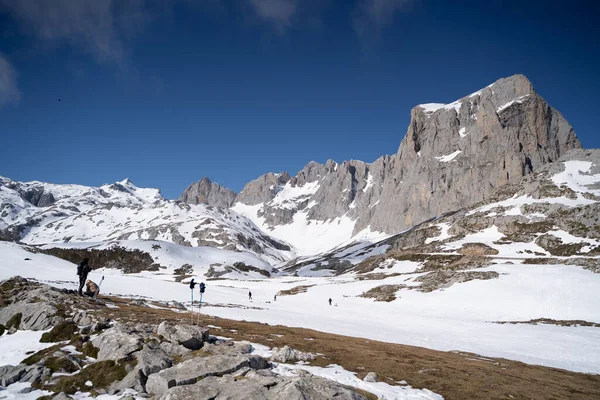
[189,336]
[254,386]
[191,371]
[115,344]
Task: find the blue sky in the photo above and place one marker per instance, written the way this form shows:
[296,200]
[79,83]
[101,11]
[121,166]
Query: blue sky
[166,92]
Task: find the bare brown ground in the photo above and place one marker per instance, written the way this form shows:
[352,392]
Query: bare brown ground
[456,376]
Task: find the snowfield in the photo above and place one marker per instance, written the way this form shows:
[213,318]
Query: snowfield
[122,211]
[461,317]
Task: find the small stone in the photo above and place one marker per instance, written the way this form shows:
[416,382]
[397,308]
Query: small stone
[26,390]
[371,377]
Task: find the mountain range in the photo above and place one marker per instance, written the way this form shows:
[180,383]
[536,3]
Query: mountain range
[329,217]
[494,136]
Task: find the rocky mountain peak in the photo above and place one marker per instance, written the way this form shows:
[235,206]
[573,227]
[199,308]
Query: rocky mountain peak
[493,136]
[263,189]
[207,192]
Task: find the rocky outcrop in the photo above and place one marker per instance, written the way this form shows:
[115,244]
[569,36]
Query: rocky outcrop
[371,377]
[207,192]
[150,360]
[143,360]
[286,354]
[191,371]
[36,309]
[255,385]
[116,343]
[189,336]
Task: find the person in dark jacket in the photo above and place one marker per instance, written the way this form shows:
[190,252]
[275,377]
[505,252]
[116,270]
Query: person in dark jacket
[249,295]
[83,269]
[330,301]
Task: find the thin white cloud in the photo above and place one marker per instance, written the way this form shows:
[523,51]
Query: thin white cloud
[372,15]
[98,26]
[277,12]
[9,91]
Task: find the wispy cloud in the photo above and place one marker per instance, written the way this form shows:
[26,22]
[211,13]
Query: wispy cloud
[99,27]
[9,91]
[372,15]
[277,12]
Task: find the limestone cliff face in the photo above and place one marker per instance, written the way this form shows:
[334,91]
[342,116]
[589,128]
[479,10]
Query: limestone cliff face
[457,154]
[453,155]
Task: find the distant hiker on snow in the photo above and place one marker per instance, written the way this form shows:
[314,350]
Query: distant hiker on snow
[329,301]
[83,269]
[275,298]
[91,289]
[249,295]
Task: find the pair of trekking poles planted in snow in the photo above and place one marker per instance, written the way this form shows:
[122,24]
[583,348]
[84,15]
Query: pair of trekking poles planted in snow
[202,288]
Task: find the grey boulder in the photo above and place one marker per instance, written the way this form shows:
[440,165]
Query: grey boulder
[257,387]
[150,360]
[191,371]
[174,349]
[371,377]
[10,374]
[34,316]
[287,354]
[115,344]
[189,336]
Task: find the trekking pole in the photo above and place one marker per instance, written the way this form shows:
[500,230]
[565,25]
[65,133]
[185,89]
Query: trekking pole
[100,284]
[199,308]
[192,316]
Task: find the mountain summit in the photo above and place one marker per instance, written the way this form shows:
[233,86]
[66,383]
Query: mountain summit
[493,137]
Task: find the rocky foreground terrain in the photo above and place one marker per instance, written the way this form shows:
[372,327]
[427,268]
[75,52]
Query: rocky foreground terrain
[135,349]
[164,361]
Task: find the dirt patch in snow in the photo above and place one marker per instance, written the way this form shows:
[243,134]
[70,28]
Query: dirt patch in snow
[549,321]
[294,290]
[383,293]
[444,279]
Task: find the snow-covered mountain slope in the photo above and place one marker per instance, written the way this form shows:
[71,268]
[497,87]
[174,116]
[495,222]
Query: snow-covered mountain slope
[164,260]
[551,216]
[471,316]
[307,236]
[42,213]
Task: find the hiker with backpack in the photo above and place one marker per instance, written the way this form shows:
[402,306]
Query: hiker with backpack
[83,269]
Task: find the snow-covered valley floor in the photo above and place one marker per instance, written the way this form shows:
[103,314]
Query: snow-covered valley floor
[460,317]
